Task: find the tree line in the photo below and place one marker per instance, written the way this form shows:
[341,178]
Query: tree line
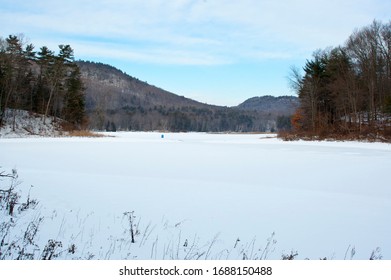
[346,90]
[181,119]
[40,81]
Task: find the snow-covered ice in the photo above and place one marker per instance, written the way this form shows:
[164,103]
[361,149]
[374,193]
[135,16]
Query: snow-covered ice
[208,191]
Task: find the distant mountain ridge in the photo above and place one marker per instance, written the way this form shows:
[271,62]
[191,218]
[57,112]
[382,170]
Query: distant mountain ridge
[99,74]
[117,101]
[284,105]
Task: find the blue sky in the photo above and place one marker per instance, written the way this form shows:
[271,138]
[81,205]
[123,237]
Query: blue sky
[215,51]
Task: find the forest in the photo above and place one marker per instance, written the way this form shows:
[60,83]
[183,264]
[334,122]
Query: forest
[345,91]
[89,95]
[40,81]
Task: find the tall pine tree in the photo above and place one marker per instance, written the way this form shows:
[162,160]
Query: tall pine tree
[74,100]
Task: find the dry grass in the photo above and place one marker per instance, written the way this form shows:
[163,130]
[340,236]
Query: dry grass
[364,136]
[84,133]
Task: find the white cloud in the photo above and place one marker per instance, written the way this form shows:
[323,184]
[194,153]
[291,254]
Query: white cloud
[193,31]
[153,55]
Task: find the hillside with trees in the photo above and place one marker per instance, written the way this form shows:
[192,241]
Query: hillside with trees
[117,101]
[40,81]
[97,96]
[345,91]
[281,105]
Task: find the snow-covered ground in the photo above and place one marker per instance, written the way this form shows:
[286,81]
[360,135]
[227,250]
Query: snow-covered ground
[21,123]
[197,195]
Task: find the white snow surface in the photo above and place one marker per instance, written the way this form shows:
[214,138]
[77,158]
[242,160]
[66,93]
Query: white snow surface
[207,191]
[21,123]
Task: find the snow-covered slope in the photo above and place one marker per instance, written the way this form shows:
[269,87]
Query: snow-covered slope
[20,123]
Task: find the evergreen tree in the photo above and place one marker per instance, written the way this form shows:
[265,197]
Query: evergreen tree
[40,81]
[348,89]
[13,73]
[74,98]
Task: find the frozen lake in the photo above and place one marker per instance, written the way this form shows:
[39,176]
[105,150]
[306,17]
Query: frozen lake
[196,195]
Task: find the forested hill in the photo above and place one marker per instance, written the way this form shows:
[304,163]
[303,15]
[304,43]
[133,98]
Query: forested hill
[345,91]
[117,101]
[281,105]
[102,74]
[101,97]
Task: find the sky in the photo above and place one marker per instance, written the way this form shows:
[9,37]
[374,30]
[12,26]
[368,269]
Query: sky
[220,52]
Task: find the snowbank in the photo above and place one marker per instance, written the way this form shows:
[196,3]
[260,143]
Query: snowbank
[20,123]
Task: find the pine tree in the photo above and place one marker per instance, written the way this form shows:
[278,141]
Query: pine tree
[41,82]
[74,100]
